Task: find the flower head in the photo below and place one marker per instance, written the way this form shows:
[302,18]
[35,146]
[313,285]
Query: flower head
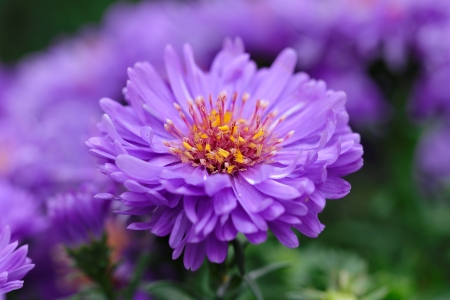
[20,210]
[13,263]
[42,135]
[235,149]
[78,218]
[432,157]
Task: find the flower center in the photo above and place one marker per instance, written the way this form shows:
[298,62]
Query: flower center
[221,139]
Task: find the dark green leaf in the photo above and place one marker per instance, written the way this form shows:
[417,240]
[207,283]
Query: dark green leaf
[255,274]
[239,256]
[141,265]
[253,287]
[167,290]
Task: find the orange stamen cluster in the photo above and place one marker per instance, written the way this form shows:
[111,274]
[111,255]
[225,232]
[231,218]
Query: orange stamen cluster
[221,140]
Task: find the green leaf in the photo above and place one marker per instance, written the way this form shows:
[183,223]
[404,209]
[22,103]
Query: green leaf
[239,256]
[253,287]
[378,294]
[86,294]
[167,290]
[141,265]
[255,274]
[93,260]
[230,288]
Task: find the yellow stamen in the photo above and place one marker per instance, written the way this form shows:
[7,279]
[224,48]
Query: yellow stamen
[217,121]
[200,147]
[230,169]
[187,146]
[227,117]
[224,153]
[224,128]
[258,150]
[188,155]
[239,158]
[258,134]
[208,147]
[204,136]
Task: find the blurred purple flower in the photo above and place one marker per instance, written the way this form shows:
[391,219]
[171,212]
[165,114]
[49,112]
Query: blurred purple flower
[265,156]
[365,103]
[50,109]
[433,46]
[335,41]
[430,95]
[14,264]
[19,210]
[433,157]
[177,23]
[77,218]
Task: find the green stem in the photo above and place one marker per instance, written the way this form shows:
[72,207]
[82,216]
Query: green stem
[140,268]
[94,261]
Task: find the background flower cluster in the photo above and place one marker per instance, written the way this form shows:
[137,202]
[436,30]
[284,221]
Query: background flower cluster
[388,239]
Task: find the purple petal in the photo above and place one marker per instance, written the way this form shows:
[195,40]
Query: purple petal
[19,273]
[178,230]
[190,208]
[295,207]
[15,260]
[284,234]
[335,188]
[10,286]
[136,168]
[257,237]
[242,221]
[224,202]
[194,254]
[175,75]
[216,250]
[257,174]
[273,211]
[277,190]
[140,226]
[226,232]
[310,226]
[248,196]
[216,183]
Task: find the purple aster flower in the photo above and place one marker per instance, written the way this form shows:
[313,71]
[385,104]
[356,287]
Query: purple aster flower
[335,41]
[433,45]
[430,96]
[235,149]
[432,155]
[77,217]
[19,210]
[254,21]
[43,143]
[14,263]
[365,102]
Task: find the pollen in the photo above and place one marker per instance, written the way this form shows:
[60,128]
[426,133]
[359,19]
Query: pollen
[220,138]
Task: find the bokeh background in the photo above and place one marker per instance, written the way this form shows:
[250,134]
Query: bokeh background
[388,239]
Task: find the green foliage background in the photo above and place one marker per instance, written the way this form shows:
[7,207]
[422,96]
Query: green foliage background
[387,221]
